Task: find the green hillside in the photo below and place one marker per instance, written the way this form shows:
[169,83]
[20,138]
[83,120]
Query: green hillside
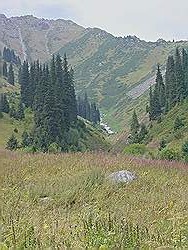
[94,137]
[166,130]
[108,68]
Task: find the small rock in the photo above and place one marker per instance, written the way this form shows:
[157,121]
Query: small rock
[122,176]
[45,199]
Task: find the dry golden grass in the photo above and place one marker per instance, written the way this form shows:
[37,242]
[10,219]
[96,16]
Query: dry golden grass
[64,201]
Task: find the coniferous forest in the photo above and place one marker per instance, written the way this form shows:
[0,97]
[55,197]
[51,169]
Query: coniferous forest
[7,59]
[49,91]
[171,89]
[88,110]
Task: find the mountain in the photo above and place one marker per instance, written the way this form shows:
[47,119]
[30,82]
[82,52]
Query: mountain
[115,71]
[34,38]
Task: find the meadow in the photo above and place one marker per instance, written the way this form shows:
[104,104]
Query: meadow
[66,201]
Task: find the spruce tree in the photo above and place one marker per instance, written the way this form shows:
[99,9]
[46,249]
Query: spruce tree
[5,72]
[26,139]
[73,102]
[142,133]
[4,104]
[24,82]
[13,113]
[185,72]
[160,88]
[11,75]
[151,104]
[12,143]
[179,75]
[70,105]
[134,123]
[170,84]
[20,112]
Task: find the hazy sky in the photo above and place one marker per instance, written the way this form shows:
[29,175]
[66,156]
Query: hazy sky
[147,19]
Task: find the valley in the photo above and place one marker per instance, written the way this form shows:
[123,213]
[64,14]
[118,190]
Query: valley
[107,67]
[79,106]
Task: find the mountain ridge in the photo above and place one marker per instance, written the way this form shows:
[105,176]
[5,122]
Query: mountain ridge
[112,70]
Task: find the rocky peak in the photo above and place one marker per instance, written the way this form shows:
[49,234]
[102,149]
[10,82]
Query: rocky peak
[2,16]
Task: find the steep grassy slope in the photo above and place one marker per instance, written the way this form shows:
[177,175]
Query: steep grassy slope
[65,201]
[165,129]
[93,139]
[109,69]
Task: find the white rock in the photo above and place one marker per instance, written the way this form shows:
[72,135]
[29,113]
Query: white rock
[122,176]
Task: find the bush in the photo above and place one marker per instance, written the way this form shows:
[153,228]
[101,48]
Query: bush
[178,123]
[16,130]
[72,137]
[30,149]
[54,148]
[170,154]
[162,144]
[12,143]
[185,151]
[135,149]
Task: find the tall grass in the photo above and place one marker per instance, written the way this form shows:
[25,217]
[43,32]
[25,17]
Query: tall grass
[65,201]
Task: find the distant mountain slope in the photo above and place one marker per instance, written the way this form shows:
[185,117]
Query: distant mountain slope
[34,38]
[114,71]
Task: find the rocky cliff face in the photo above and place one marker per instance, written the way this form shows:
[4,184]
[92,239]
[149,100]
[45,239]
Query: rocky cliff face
[34,38]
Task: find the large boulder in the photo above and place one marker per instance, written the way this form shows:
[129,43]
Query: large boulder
[122,176]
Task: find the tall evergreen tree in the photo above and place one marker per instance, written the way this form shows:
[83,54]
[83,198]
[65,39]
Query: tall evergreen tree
[20,112]
[4,104]
[170,83]
[12,143]
[157,97]
[134,128]
[11,75]
[134,123]
[160,88]
[70,107]
[24,82]
[185,72]
[179,75]
[5,72]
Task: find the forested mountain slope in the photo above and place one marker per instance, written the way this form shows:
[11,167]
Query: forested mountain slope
[113,70]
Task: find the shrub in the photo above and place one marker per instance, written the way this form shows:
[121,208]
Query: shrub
[135,149]
[178,123]
[162,144]
[72,137]
[16,130]
[12,143]
[54,148]
[170,154]
[185,151]
[26,139]
[30,149]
